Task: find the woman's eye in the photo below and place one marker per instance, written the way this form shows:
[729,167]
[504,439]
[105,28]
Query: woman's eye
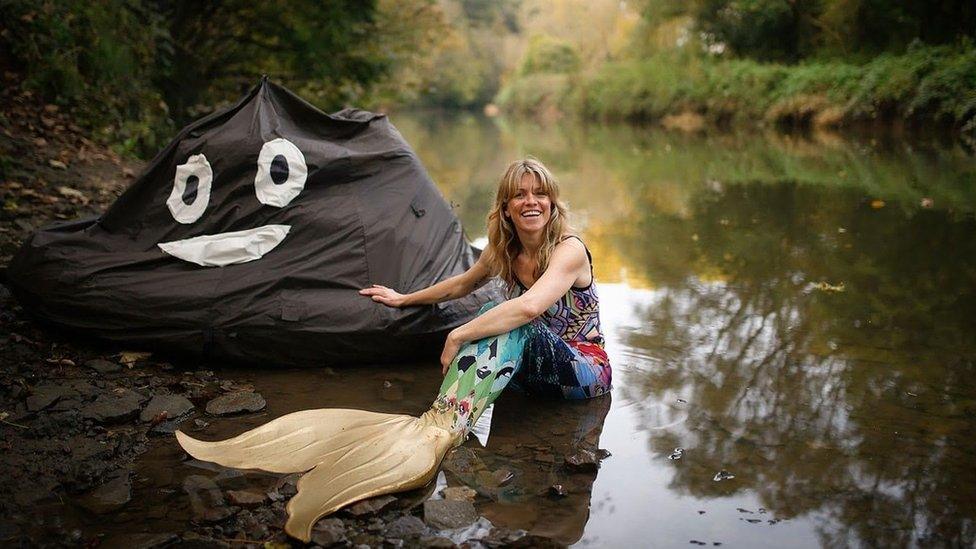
[191,189]
[281,173]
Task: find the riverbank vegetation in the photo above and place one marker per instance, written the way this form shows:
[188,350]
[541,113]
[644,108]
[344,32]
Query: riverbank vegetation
[800,63]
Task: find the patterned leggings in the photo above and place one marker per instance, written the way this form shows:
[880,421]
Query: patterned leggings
[531,357]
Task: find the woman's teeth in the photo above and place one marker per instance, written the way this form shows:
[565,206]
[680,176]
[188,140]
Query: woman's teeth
[533,213]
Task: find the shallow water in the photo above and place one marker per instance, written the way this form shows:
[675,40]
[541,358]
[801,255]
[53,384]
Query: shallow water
[795,314]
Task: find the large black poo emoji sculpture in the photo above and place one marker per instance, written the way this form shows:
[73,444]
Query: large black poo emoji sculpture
[248,237]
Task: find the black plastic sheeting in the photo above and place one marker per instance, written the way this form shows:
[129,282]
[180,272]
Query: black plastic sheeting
[368,214]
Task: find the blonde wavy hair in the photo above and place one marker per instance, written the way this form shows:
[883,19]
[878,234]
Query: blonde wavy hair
[503,242]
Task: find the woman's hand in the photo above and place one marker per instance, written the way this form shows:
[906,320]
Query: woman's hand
[451,347]
[384,295]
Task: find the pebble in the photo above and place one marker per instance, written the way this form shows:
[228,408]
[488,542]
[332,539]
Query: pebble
[103,366]
[583,461]
[405,527]
[110,496]
[174,406]
[233,403]
[444,514]
[459,493]
[115,407]
[246,498]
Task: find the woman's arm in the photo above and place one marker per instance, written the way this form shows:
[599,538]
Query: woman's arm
[568,260]
[451,288]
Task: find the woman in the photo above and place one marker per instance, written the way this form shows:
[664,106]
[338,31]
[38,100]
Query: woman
[546,337]
[549,275]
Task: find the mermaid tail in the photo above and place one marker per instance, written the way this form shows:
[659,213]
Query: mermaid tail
[354,454]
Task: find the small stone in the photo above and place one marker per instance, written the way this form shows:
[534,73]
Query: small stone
[583,461]
[110,496]
[557,491]
[174,406]
[117,407]
[328,532]
[233,403]
[459,493]
[444,514]
[103,366]
[723,475]
[502,476]
[246,498]
[405,527]
[206,500]
[46,395]
[371,505]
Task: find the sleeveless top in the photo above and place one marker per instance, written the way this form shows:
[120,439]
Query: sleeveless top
[576,316]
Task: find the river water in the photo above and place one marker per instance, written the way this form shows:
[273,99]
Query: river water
[790,322]
[795,311]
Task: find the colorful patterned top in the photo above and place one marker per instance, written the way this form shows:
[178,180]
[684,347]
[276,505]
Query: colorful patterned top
[576,316]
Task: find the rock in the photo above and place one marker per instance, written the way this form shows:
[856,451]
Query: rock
[174,406]
[371,505]
[110,496]
[405,527]
[119,406]
[557,491]
[459,493]
[444,514]
[103,366]
[46,395]
[502,476]
[137,541]
[246,498]
[233,403]
[206,499]
[328,532]
[583,461]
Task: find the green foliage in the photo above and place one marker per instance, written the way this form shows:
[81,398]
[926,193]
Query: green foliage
[546,54]
[95,56]
[133,70]
[928,83]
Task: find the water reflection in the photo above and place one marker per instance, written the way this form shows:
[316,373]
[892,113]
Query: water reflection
[808,326]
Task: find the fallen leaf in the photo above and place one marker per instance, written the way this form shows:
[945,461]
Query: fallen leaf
[57,164]
[129,358]
[877,204]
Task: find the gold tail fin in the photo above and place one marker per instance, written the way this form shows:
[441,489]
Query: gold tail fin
[352,454]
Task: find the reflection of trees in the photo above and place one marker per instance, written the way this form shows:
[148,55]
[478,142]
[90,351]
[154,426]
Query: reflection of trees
[853,405]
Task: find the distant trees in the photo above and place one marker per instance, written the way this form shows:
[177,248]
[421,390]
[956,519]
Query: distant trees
[789,30]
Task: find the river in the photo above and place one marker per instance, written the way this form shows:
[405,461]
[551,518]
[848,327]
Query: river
[797,311]
[790,323]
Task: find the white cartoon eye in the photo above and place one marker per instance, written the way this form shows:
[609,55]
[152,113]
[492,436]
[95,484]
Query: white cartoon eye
[191,189]
[281,173]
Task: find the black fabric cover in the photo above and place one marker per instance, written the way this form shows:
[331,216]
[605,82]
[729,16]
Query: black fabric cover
[368,214]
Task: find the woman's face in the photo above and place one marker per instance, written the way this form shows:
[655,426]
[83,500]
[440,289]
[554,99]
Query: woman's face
[530,208]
